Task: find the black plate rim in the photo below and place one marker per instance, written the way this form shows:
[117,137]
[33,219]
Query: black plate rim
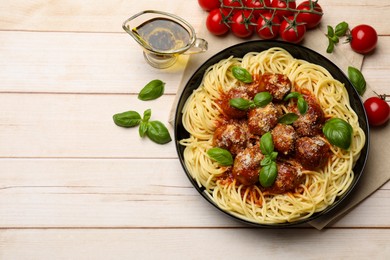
[264,45]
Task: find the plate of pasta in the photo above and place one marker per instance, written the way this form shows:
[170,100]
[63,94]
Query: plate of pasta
[271,133]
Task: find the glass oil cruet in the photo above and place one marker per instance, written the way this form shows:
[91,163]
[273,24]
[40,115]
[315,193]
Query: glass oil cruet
[163,37]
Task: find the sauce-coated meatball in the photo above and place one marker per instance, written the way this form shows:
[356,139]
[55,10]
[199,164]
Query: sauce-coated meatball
[288,178]
[309,124]
[229,111]
[284,137]
[312,152]
[247,164]
[279,85]
[262,119]
[231,136]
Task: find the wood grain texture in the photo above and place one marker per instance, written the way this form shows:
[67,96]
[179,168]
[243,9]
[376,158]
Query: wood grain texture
[73,185]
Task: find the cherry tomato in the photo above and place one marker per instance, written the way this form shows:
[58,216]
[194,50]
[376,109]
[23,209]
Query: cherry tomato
[378,111]
[209,5]
[284,4]
[291,30]
[242,24]
[257,4]
[311,20]
[215,22]
[268,26]
[363,39]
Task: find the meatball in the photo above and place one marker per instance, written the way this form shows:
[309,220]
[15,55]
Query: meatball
[231,136]
[310,124]
[284,137]
[262,119]
[229,111]
[312,152]
[288,178]
[247,164]
[279,85]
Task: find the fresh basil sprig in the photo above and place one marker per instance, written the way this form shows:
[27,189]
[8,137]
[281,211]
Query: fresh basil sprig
[338,132]
[155,130]
[242,74]
[260,100]
[221,156]
[301,102]
[269,170]
[333,35]
[357,79]
[153,90]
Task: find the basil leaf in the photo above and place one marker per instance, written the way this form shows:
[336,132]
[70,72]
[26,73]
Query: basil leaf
[268,174]
[341,29]
[154,89]
[221,156]
[147,115]
[240,103]
[266,161]
[292,95]
[338,132]
[357,79]
[330,46]
[158,133]
[330,31]
[262,99]
[302,105]
[143,128]
[273,156]
[242,74]
[288,119]
[266,144]
[127,119]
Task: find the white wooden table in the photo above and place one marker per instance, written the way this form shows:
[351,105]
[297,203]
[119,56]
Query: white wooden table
[75,186]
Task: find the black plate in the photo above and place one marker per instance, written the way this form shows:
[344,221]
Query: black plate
[299,52]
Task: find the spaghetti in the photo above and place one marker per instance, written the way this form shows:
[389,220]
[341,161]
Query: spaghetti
[318,188]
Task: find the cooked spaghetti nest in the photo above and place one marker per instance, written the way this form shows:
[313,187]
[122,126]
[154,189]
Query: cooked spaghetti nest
[319,189]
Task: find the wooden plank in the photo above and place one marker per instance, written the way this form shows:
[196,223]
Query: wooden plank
[121,193]
[69,125]
[78,63]
[104,16]
[108,63]
[194,244]
[89,15]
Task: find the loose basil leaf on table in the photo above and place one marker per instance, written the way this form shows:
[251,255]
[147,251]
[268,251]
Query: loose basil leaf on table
[153,90]
[357,79]
[158,133]
[143,128]
[242,74]
[127,119]
[221,156]
[338,132]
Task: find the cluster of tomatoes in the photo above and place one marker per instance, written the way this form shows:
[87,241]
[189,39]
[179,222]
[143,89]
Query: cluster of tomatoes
[268,18]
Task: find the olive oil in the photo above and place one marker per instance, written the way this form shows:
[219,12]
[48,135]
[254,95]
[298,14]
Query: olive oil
[163,35]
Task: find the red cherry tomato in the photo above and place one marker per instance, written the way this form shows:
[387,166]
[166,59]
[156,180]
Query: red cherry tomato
[268,26]
[284,4]
[363,39]
[209,5]
[292,31]
[215,22]
[311,20]
[378,111]
[257,4]
[242,24]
